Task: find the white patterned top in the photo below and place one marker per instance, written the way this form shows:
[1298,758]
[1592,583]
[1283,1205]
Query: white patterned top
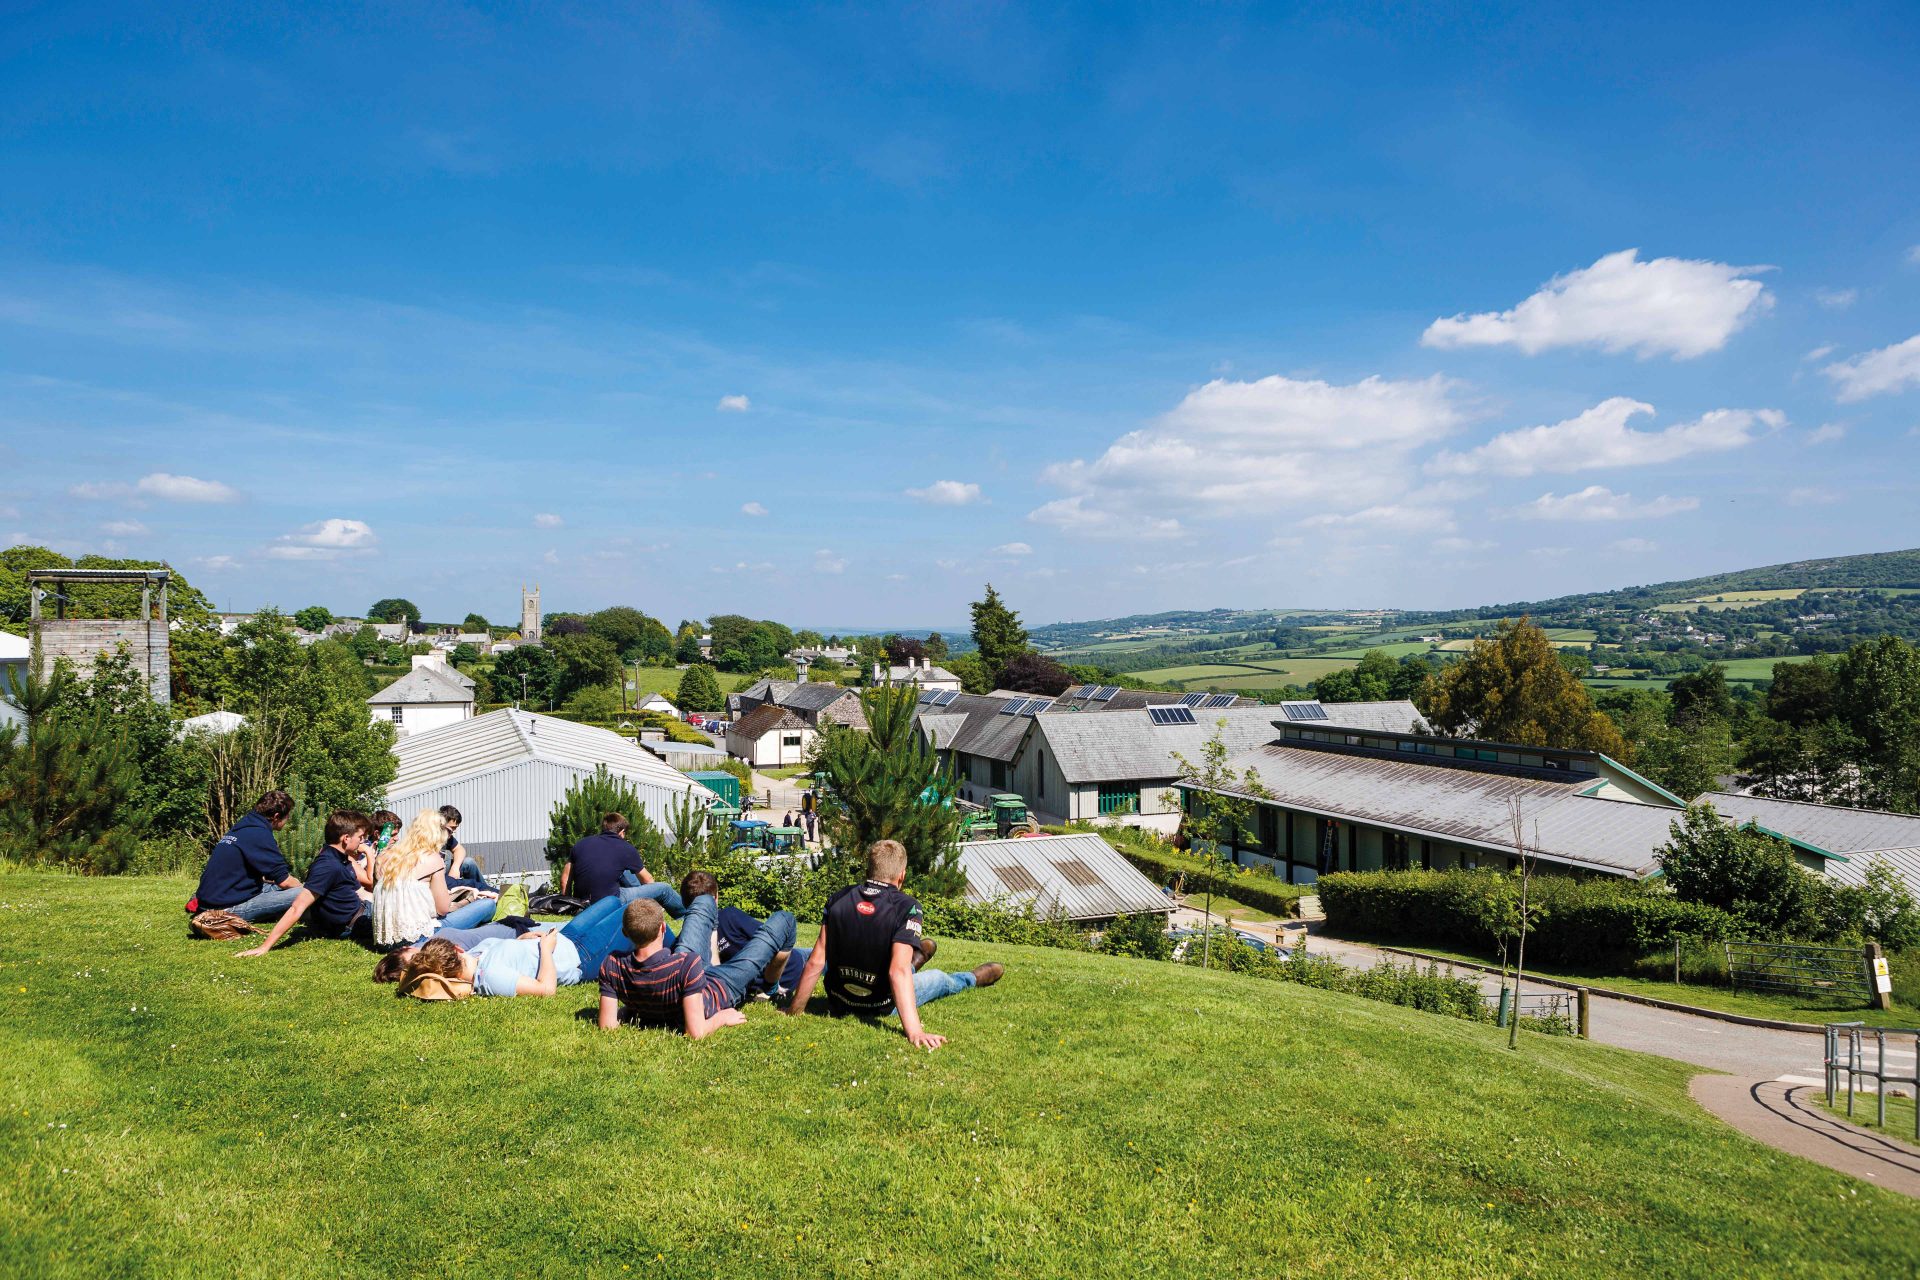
[403,912]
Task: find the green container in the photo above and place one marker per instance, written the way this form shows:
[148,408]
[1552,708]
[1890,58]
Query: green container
[721,783]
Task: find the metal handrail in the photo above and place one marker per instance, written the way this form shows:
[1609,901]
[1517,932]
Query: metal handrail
[1854,1065]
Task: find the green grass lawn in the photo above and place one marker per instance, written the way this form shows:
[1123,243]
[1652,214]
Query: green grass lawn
[1866,1111]
[666,680]
[169,1109]
[1752,1004]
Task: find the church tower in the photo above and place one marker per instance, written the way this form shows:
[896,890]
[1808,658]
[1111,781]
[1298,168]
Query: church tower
[530,614]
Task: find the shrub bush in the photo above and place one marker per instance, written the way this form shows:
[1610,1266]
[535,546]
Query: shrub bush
[1579,921]
[1429,990]
[1255,886]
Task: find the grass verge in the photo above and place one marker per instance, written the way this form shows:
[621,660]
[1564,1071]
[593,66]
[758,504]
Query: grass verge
[166,1108]
[1866,1113]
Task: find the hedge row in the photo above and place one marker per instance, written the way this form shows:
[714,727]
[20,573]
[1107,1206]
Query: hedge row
[1576,921]
[1256,887]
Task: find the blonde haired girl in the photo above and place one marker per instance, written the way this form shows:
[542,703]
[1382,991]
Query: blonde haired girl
[410,898]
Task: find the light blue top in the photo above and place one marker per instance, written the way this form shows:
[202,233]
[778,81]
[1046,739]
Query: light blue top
[504,961]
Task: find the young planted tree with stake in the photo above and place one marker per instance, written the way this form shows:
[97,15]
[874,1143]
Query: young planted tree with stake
[1219,807]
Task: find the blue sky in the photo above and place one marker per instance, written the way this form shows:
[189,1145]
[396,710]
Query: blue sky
[835,315]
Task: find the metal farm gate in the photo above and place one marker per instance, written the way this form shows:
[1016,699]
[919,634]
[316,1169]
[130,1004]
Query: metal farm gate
[1800,969]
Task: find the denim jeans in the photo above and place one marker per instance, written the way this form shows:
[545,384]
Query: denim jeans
[466,938]
[468,874]
[928,985]
[665,894]
[268,904]
[475,913]
[737,975]
[595,934]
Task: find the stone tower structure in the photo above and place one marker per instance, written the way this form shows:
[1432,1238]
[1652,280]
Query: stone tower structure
[530,614]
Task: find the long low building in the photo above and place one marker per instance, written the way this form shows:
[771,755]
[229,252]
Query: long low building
[506,770]
[1856,838]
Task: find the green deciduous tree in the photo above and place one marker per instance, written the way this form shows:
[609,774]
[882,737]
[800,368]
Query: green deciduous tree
[313,617]
[1220,809]
[633,635]
[595,702]
[584,661]
[1369,681]
[1511,687]
[170,770]
[67,781]
[1743,871]
[1879,700]
[474,622]
[887,784]
[394,609]
[997,632]
[699,690]
[527,673]
[973,673]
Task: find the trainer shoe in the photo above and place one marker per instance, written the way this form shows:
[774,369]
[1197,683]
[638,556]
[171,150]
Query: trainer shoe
[987,974]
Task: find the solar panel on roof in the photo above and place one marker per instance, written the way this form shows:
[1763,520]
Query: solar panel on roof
[1078,691]
[1192,699]
[1171,715]
[945,697]
[1104,692]
[1304,711]
[1220,700]
[1035,706]
[1012,706]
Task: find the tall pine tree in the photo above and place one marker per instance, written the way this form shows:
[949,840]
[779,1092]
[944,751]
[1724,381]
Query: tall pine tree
[997,632]
[67,780]
[888,784]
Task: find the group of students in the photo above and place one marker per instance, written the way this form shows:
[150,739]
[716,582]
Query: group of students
[394,889]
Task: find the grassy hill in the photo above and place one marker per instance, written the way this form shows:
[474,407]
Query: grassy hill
[169,1109]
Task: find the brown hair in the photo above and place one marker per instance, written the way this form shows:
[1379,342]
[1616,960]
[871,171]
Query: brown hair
[451,814]
[344,822]
[697,883]
[614,823]
[274,804]
[642,921]
[389,967]
[437,956]
[886,860]
[384,818]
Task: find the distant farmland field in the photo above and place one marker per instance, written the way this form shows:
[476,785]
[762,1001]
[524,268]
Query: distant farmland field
[1270,674]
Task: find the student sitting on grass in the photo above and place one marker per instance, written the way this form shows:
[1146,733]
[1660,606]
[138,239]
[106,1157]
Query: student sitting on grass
[736,928]
[410,898]
[875,938]
[654,987]
[246,872]
[462,868]
[608,864]
[329,900]
[491,961]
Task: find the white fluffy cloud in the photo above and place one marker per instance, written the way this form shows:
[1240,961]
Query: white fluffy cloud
[752,509]
[547,520]
[1826,433]
[1410,517]
[824,561]
[948,493]
[1013,549]
[1273,445]
[1597,503]
[734,404]
[123,528]
[1634,546]
[1877,373]
[1681,307]
[1601,438]
[184,489]
[325,540]
[218,564]
[1836,299]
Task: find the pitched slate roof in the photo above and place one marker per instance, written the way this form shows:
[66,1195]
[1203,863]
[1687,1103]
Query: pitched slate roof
[1467,806]
[1124,746]
[425,684]
[764,719]
[1076,877]
[813,696]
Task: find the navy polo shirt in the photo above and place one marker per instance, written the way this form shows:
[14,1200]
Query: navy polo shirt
[597,863]
[336,893]
[242,861]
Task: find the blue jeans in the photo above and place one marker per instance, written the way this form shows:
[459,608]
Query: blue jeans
[475,913]
[666,895]
[595,934]
[468,874]
[928,984]
[268,904]
[737,975]
[466,938]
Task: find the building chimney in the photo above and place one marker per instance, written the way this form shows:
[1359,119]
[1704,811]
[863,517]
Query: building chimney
[800,670]
[878,676]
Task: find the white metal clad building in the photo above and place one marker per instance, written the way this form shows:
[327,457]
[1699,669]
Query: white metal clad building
[506,770]
[1077,877]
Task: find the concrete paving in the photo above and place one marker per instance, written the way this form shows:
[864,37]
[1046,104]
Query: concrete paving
[1788,1117]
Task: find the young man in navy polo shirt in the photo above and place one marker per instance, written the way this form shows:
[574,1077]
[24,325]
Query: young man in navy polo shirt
[330,899]
[606,864]
[876,937]
[245,873]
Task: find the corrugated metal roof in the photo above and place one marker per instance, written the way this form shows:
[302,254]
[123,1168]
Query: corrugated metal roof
[1859,835]
[1077,877]
[503,737]
[1467,806]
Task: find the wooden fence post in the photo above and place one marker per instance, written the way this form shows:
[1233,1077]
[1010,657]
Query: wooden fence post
[1879,983]
[1586,1014]
[1676,961]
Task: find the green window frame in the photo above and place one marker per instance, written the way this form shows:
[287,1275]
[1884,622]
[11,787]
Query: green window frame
[1119,800]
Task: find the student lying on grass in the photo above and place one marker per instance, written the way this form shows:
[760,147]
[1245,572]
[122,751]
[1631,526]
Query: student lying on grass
[329,899]
[876,938]
[653,986]
[502,959]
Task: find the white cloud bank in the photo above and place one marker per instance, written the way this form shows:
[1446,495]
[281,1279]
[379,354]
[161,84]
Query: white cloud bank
[325,540]
[948,493]
[547,520]
[1877,373]
[1597,503]
[1681,307]
[752,509]
[1013,549]
[158,484]
[734,404]
[1277,444]
[1601,438]
[824,561]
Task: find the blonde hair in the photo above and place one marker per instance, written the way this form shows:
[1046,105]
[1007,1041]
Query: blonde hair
[411,851]
[886,860]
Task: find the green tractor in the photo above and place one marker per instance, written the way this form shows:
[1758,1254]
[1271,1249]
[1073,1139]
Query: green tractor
[1004,816]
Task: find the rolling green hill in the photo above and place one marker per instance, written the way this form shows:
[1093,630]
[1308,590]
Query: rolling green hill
[169,1109]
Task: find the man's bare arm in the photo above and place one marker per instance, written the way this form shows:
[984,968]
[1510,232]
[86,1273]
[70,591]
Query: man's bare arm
[289,918]
[900,971]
